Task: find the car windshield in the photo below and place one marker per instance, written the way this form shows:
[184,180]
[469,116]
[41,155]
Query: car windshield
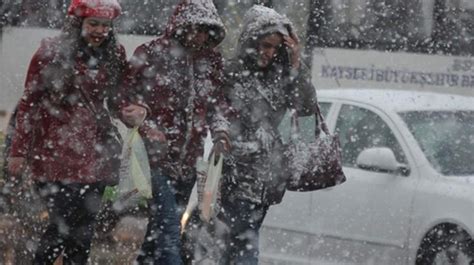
[446,138]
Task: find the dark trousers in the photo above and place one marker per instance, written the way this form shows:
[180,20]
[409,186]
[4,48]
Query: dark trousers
[243,219]
[72,210]
[183,190]
[162,240]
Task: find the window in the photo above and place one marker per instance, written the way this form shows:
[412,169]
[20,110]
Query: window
[446,138]
[360,129]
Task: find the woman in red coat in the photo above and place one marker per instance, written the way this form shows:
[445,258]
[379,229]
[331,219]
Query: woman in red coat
[63,126]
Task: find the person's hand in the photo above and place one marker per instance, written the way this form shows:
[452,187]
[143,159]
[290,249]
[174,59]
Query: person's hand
[156,135]
[293,44]
[16,166]
[157,145]
[133,115]
[221,144]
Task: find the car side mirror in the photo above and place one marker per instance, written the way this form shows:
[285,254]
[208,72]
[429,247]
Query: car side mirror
[381,159]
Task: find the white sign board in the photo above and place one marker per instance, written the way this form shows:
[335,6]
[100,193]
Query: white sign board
[334,68]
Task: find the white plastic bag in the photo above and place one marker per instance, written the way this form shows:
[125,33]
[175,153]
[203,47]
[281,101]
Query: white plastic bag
[135,173]
[209,199]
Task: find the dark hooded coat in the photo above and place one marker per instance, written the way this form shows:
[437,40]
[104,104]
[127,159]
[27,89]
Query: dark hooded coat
[260,98]
[180,88]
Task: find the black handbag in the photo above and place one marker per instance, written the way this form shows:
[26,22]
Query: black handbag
[317,164]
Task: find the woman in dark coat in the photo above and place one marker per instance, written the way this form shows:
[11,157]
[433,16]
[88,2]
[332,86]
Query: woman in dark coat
[178,76]
[63,126]
[263,82]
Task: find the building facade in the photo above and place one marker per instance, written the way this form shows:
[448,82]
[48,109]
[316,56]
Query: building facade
[422,26]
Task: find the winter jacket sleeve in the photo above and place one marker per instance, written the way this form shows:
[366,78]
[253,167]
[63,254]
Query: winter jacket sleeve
[28,104]
[132,89]
[302,92]
[219,108]
[116,98]
[128,87]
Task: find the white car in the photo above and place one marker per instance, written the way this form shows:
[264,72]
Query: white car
[409,196]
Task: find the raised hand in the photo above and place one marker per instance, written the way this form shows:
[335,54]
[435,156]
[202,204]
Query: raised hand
[222,143]
[293,46]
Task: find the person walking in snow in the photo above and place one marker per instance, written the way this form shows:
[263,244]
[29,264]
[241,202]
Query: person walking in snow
[263,81]
[178,76]
[63,126]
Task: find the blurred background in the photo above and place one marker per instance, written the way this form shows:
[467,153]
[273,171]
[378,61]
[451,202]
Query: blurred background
[426,26]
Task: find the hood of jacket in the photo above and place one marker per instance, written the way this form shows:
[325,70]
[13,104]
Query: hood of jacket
[197,12]
[259,21]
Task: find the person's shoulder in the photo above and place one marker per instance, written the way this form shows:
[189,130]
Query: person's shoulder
[152,46]
[234,67]
[51,41]
[48,48]
[147,53]
[121,49]
[151,49]
[235,72]
[214,56]
[208,54]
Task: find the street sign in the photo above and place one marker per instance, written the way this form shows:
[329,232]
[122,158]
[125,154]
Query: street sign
[332,68]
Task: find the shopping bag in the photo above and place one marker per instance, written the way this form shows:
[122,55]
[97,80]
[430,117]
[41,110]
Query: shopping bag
[135,174]
[202,165]
[317,164]
[209,178]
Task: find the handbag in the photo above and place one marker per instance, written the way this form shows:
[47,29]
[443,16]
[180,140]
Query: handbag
[135,174]
[317,164]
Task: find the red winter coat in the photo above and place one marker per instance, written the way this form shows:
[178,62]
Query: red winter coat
[181,89]
[54,129]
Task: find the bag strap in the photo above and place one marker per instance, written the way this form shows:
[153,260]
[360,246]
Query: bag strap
[110,129]
[88,102]
[320,125]
[295,127]
[321,122]
[90,105]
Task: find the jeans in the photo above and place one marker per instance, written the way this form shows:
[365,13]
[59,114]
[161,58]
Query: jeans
[244,219]
[72,210]
[162,240]
[183,191]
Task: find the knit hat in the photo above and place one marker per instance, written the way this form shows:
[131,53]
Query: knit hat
[95,8]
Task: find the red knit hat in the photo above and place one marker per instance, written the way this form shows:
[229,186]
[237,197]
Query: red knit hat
[95,8]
